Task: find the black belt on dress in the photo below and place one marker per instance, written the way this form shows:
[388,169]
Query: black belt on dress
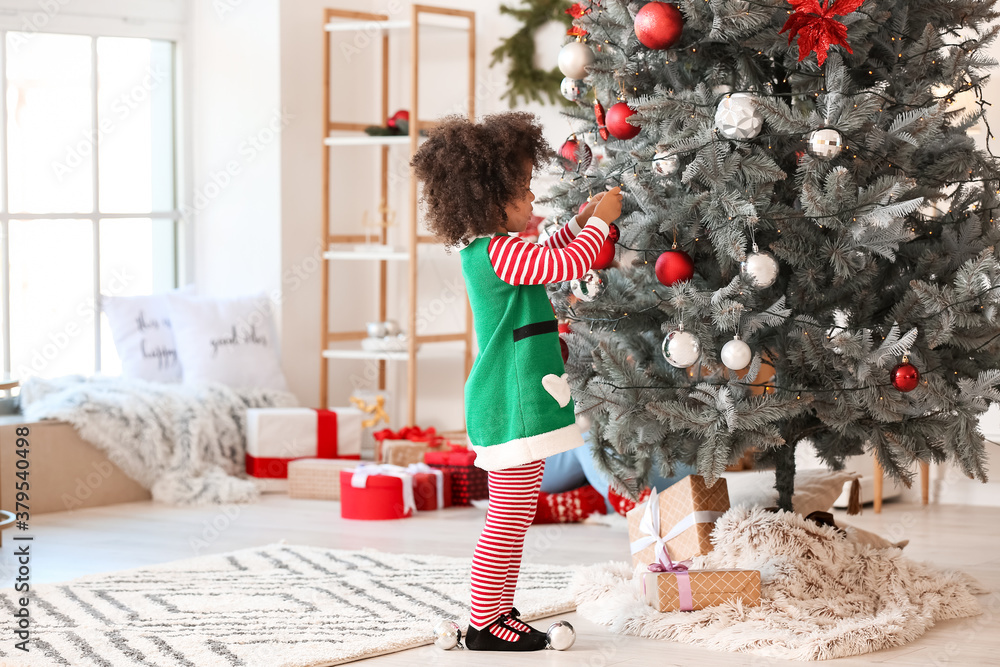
[535,329]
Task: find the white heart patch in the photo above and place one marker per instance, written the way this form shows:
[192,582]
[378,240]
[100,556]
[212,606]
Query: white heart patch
[558,387]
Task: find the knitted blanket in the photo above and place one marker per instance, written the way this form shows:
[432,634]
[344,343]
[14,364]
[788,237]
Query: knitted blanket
[822,595]
[186,443]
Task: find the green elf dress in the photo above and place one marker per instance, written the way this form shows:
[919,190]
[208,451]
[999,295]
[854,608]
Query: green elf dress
[518,406]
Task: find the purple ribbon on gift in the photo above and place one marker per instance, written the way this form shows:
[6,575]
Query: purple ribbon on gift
[683,577]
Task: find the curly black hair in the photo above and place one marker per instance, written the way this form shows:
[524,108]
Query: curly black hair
[471,171]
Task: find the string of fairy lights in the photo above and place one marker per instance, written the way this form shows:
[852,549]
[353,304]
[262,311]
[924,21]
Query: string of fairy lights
[848,140]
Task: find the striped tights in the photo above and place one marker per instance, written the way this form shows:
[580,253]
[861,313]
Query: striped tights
[497,561]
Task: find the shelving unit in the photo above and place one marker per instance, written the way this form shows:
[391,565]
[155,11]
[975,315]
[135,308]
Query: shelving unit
[341,247]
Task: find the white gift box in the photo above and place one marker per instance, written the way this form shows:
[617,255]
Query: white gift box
[276,436]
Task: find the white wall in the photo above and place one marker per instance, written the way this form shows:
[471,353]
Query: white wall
[233,205]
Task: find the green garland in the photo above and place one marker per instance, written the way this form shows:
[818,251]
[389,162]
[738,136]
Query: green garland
[524,79]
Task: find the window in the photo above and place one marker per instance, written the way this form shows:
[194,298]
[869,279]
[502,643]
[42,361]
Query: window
[87,192]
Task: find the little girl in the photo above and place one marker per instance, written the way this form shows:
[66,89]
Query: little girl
[518,409]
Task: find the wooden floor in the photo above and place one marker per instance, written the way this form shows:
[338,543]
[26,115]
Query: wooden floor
[71,544]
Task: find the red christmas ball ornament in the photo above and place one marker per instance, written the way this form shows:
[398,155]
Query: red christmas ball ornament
[564,348]
[618,126]
[564,327]
[905,376]
[674,266]
[573,153]
[614,233]
[582,206]
[605,256]
[402,114]
[599,116]
[658,25]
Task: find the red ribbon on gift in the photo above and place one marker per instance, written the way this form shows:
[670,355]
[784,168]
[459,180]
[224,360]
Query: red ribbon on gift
[412,433]
[326,448]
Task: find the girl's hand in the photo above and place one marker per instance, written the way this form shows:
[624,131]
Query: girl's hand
[584,215]
[610,206]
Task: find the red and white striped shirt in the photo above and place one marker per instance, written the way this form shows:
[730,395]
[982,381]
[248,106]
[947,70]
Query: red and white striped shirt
[566,255]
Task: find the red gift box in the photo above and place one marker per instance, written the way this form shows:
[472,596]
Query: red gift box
[376,493]
[455,455]
[468,482]
[431,487]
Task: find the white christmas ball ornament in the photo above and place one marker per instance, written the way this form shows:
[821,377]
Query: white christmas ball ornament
[826,143]
[665,164]
[588,287]
[680,348]
[574,59]
[736,354]
[737,117]
[573,89]
[760,269]
[561,635]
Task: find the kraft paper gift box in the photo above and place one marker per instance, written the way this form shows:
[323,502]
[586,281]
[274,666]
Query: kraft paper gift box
[697,589]
[318,479]
[676,524]
[373,492]
[277,436]
[403,452]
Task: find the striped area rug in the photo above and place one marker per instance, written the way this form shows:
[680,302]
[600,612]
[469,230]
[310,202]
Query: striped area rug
[273,606]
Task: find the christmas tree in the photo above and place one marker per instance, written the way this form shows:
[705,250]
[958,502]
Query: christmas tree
[808,246]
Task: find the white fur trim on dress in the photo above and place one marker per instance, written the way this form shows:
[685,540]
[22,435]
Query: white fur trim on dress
[525,450]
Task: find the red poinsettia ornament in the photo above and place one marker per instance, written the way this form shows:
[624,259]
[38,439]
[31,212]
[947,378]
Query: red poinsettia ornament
[816,28]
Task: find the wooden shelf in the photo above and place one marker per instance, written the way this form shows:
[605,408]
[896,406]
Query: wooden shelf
[355,253]
[366,140]
[342,345]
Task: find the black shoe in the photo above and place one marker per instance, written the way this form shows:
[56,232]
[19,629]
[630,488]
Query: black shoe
[512,620]
[509,640]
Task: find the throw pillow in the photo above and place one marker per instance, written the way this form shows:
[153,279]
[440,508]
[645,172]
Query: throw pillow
[144,339]
[815,490]
[229,340]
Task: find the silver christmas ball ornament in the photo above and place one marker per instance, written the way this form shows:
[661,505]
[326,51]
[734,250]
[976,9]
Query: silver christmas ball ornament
[825,143]
[680,348]
[573,89]
[760,269]
[574,58]
[736,354]
[588,287]
[561,635]
[447,634]
[737,117]
[665,164]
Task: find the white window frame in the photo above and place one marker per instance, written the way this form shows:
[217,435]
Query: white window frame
[92,18]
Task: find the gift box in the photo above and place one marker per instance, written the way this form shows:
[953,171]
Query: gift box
[405,446]
[277,436]
[318,479]
[431,487]
[374,406]
[468,482]
[696,589]
[676,524]
[373,492]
